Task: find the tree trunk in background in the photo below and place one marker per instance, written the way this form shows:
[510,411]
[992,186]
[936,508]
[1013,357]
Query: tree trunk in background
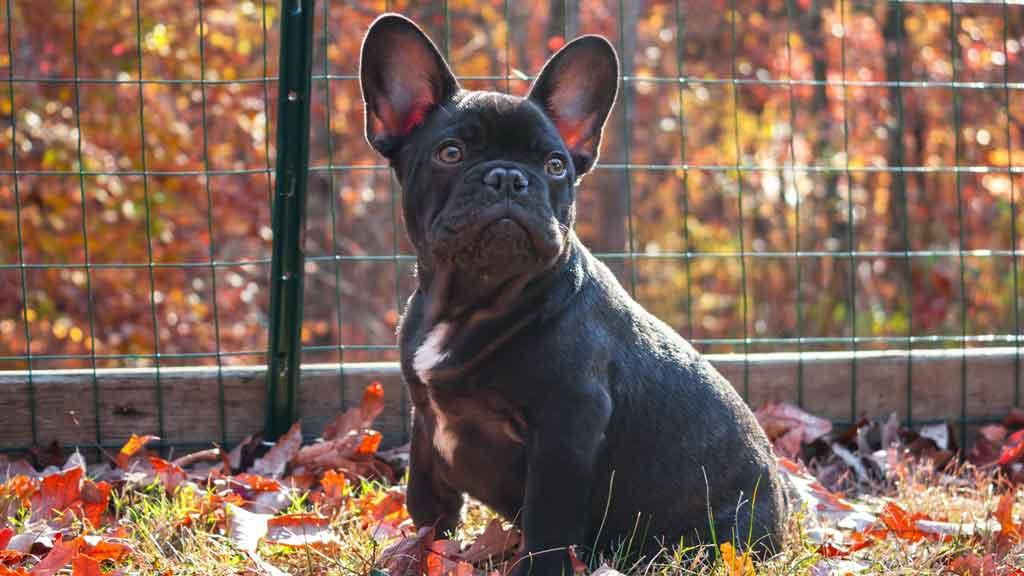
[894,33]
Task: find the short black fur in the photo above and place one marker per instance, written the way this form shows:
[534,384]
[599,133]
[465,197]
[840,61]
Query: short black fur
[540,387]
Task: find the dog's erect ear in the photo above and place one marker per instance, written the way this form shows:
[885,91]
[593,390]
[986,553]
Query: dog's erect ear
[576,89]
[403,78]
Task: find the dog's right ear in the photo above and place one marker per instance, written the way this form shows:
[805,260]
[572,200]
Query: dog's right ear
[403,78]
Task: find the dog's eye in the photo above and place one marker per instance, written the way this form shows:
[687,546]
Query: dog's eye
[450,153]
[555,166]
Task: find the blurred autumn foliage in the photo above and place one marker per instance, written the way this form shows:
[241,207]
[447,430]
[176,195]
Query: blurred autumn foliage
[171,121]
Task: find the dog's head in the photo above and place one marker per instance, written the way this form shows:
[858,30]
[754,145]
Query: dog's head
[488,178]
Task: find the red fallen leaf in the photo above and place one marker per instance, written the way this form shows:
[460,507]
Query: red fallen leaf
[131,448]
[60,555]
[5,537]
[243,456]
[1013,448]
[5,571]
[84,565]
[299,530]
[973,565]
[494,542]
[95,497]
[408,555]
[274,462]
[171,475]
[858,541]
[258,483]
[57,493]
[901,523]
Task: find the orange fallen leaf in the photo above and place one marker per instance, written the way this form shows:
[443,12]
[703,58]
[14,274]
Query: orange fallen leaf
[108,547]
[131,448]
[5,571]
[369,444]
[258,483]
[84,565]
[736,564]
[901,523]
[21,486]
[1009,531]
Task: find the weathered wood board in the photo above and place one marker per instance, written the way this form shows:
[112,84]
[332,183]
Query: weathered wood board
[66,400]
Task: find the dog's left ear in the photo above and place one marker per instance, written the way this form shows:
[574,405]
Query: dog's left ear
[403,78]
[576,89]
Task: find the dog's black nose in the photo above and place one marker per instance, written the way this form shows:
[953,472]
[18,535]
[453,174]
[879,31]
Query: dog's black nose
[506,178]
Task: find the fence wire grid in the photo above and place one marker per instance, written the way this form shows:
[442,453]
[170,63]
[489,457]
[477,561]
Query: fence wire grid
[777,176]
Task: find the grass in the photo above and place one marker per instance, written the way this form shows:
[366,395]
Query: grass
[186,533]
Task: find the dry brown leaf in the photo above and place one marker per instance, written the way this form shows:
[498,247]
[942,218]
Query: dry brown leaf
[495,542]
[275,461]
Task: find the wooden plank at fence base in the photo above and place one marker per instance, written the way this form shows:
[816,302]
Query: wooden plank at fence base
[127,397]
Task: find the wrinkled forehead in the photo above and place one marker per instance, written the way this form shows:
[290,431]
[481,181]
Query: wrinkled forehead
[499,119]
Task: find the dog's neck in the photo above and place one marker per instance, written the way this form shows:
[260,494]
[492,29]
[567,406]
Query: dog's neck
[456,339]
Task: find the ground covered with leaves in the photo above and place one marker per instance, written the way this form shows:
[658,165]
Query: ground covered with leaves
[874,499]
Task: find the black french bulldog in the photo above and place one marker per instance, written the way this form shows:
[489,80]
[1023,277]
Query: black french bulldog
[540,387]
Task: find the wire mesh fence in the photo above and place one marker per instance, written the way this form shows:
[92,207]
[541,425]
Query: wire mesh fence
[777,176]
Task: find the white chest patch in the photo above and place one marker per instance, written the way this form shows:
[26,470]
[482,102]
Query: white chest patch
[445,441]
[430,354]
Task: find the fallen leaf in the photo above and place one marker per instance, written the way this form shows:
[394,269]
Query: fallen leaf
[1009,531]
[5,537]
[106,547]
[258,483]
[95,498]
[60,555]
[243,455]
[84,565]
[901,523]
[736,564]
[274,462]
[58,493]
[131,448]
[408,555]
[778,418]
[245,528]
[171,475]
[606,570]
[298,530]
[1013,448]
[359,417]
[494,542]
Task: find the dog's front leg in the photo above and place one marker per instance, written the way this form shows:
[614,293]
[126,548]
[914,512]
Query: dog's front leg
[430,501]
[563,446]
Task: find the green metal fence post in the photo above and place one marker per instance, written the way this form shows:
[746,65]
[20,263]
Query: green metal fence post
[289,214]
